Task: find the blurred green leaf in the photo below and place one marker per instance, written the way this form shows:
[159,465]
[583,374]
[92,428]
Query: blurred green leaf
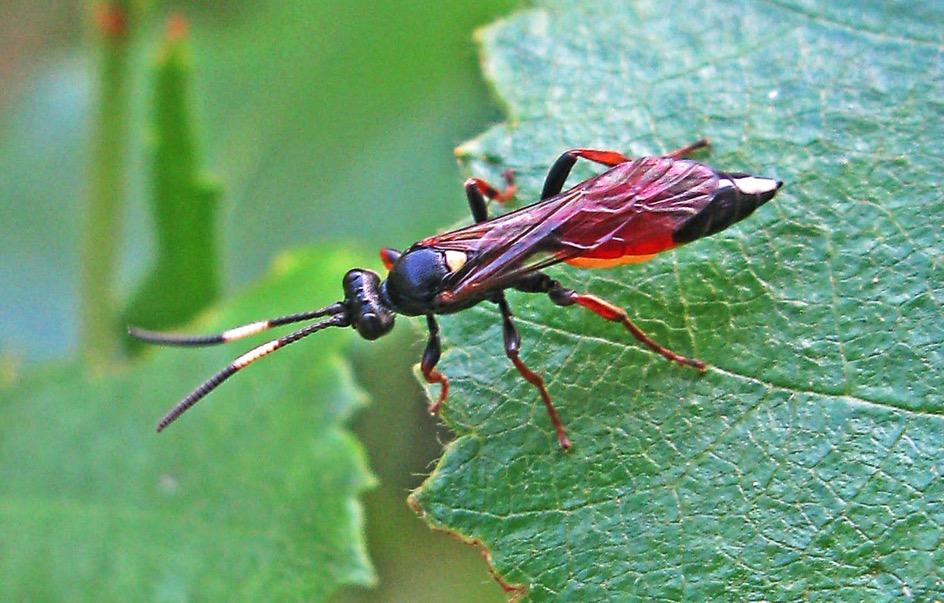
[332,119]
[185,276]
[314,113]
[251,496]
[807,462]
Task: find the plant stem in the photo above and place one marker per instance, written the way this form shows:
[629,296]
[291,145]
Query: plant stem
[101,233]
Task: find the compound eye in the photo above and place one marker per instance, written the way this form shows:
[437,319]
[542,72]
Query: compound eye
[455,260]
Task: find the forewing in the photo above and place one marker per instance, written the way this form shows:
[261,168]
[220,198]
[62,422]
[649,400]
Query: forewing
[636,207]
[497,247]
[489,237]
[632,205]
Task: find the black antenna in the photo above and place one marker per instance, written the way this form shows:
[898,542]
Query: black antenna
[338,320]
[233,334]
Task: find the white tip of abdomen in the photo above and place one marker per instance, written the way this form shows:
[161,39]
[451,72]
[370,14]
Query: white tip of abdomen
[752,185]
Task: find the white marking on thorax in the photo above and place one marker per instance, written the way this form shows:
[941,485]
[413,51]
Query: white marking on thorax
[455,259]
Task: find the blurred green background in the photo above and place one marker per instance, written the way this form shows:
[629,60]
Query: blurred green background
[324,122]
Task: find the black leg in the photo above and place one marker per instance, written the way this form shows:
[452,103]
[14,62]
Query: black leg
[537,282]
[430,358]
[512,347]
[477,190]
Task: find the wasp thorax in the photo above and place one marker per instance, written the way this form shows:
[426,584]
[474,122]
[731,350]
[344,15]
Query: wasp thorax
[415,279]
[369,314]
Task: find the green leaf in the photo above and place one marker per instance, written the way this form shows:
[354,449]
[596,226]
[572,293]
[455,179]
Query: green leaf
[185,277]
[250,496]
[807,462]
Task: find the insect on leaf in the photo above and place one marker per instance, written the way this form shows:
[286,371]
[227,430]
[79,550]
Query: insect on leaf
[807,461]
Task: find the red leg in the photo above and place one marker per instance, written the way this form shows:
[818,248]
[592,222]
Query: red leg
[490,191]
[605,309]
[493,193]
[430,358]
[611,158]
[607,158]
[512,345]
[688,149]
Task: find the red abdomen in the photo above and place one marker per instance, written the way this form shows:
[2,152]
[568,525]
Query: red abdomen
[618,251]
[639,209]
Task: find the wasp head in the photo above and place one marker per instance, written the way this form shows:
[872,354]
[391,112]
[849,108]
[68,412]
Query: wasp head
[369,312]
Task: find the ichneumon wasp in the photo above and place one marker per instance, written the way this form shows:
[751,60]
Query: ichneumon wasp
[635,210]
